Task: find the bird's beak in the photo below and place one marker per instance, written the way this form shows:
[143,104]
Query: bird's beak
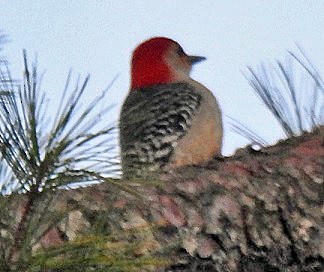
[195,59]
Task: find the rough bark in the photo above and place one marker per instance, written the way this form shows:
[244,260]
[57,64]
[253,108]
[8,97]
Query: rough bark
[255,211]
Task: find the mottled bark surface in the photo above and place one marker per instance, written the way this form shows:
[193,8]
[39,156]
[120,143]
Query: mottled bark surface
[255,211]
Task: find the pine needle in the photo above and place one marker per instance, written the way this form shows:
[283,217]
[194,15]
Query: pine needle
[293,91]
[37,152]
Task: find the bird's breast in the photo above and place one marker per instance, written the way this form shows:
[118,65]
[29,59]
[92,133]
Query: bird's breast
[203,140]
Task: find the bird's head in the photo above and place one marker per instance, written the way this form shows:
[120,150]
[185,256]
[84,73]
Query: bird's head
[158,61]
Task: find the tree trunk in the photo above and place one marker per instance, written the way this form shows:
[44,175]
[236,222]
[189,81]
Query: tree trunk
[255,211]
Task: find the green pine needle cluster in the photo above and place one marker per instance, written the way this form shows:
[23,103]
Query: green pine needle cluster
[45,154]
[293,91]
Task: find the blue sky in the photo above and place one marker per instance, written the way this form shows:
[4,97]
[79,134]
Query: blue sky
[97,37]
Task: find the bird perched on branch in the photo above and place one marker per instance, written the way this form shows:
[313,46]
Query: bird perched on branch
[168,120]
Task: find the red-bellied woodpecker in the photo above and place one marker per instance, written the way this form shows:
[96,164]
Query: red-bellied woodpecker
[168,120]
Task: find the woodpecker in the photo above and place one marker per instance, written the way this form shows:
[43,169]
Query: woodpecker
[168,120]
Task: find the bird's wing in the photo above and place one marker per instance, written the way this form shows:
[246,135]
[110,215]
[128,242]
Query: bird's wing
[153,120]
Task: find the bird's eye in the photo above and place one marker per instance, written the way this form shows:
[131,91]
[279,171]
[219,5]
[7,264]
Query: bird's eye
[180,51]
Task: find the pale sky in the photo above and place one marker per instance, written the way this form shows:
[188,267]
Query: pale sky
[97,37]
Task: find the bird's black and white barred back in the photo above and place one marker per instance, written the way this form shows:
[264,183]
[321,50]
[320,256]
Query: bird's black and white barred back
[152,121]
